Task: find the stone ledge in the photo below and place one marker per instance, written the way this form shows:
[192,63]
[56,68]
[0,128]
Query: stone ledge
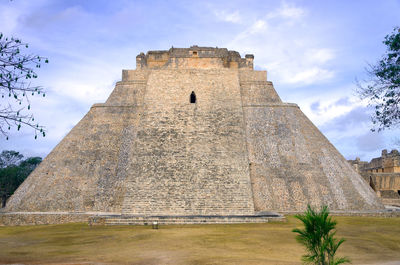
[43,218]
[385,213]
[40,218]
[104,105]
[292,105]
[391,202]
[108,218]
[245,82]
[128,82]
[189,219]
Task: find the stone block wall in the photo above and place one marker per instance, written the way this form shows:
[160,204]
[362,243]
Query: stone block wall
[43,218]
[190,158]
[293,164]
[258,93]
[387,185]
[194,57]
[80,174]
[382,174]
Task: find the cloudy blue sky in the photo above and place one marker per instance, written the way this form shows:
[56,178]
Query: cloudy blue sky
[313,51]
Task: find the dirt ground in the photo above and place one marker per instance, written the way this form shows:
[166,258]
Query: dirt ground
[369,240]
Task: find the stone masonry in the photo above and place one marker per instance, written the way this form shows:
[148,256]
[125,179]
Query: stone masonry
[382,174]
[193,132]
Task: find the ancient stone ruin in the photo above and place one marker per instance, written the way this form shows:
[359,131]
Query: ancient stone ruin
[191,133]
[383,175]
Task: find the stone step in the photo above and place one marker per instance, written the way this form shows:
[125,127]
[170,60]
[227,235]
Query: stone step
[164,220]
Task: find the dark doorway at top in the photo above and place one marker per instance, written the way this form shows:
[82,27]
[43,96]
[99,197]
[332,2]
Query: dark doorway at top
[193,97]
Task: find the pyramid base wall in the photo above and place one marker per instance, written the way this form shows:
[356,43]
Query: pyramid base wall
[42,218]
[91,218]
[184,219]
[46,218]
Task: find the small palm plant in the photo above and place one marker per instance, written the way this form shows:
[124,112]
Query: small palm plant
[318,237]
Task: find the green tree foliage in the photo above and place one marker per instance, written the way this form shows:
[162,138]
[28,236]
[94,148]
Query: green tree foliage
[318,236]
[17,70]
[382,89]
[13,171]
[8,158]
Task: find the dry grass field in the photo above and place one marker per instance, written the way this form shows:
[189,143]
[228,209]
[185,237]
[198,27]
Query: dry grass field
[369,241]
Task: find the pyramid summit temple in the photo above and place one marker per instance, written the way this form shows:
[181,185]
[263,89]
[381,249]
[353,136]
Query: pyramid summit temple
[192,135]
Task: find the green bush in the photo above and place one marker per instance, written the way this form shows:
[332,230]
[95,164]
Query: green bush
[318,237]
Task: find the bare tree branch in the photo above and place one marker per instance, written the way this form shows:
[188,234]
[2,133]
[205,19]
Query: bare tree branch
[16,70]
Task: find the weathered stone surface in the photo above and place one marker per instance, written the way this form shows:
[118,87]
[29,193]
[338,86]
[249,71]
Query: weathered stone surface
[293,164]
[43,218]
[190,158]
[383,175]
[237,150]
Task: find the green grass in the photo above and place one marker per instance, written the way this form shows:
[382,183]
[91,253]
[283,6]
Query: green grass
[369,240]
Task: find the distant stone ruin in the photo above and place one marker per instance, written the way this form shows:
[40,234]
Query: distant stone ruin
[192,135]
[383,175]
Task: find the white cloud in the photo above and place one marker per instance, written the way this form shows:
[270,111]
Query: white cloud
[308,67]
[11,13]
[329,104]
[282,45]
[225,16]
[291,11]
[257,27]
[87,83]
[321,55]
[287,11]
[8,18]
[308,76]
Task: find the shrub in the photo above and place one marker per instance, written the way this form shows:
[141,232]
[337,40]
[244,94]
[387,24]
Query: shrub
[318,237]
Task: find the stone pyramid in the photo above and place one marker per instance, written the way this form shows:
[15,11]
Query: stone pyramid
[193,131]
